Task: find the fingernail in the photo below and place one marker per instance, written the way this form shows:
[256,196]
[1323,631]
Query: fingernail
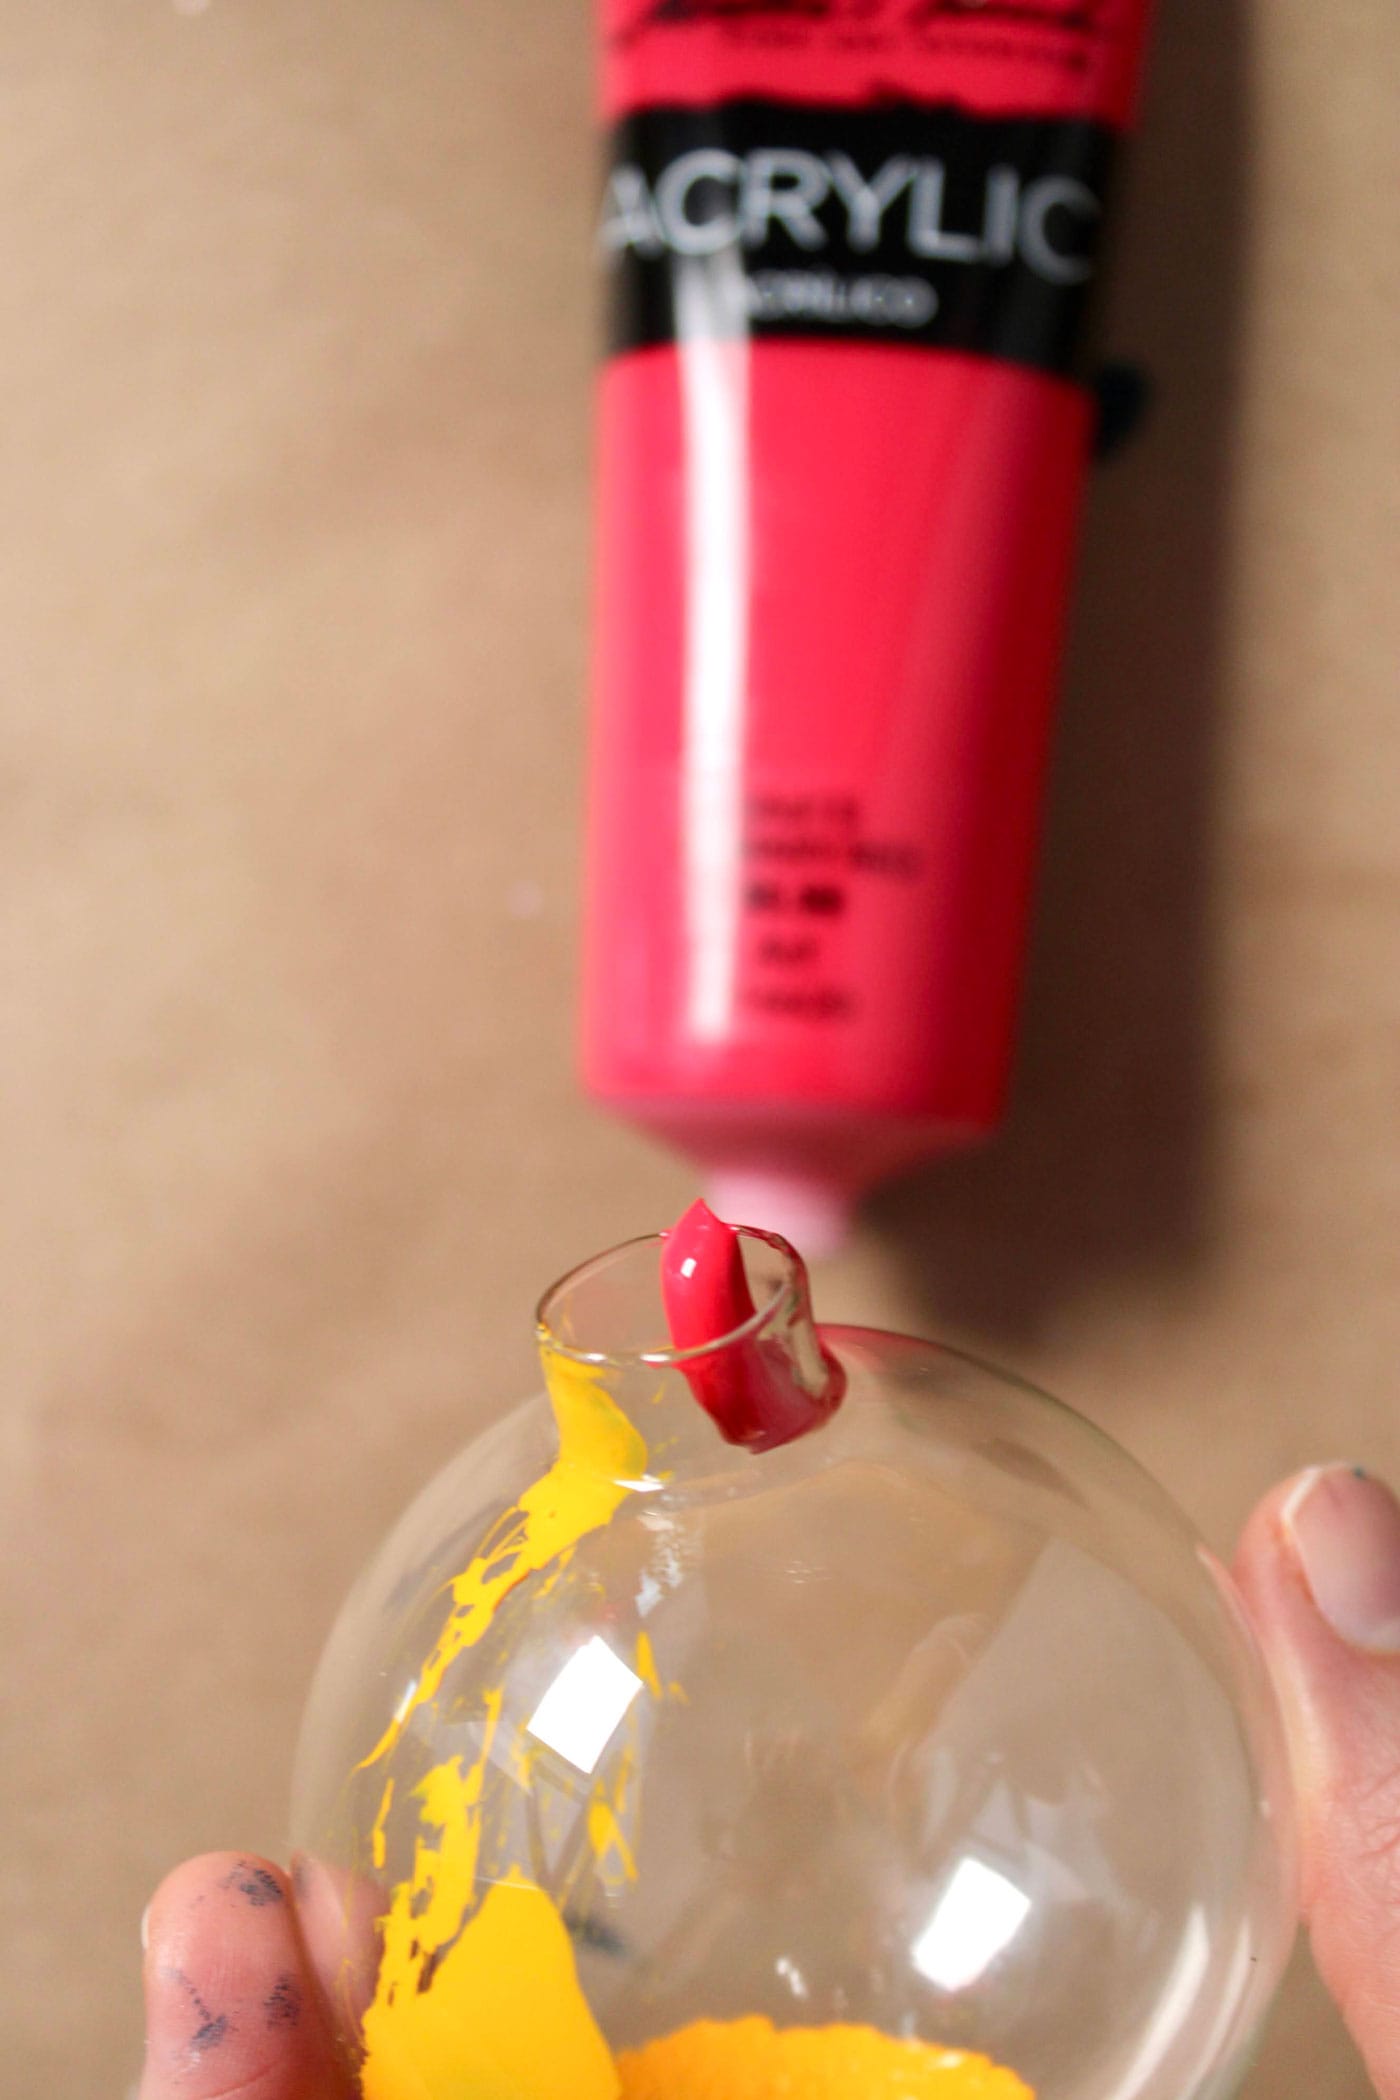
[146,1929]
[1344,1528]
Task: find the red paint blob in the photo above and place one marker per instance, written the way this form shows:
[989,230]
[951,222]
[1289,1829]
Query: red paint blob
[750,1385]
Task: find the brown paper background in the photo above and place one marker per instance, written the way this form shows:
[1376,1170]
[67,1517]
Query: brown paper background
[294,358]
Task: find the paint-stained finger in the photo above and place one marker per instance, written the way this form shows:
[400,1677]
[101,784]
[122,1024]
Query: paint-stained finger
[230,2009]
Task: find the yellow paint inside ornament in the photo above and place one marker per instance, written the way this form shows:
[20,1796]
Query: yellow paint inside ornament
[477,1995]
[753,2060]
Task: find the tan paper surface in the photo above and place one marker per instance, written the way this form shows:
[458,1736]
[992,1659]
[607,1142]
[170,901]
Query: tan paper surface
[295,335]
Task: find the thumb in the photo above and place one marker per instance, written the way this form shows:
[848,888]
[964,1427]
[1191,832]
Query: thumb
[230,2007]
[1319,1565]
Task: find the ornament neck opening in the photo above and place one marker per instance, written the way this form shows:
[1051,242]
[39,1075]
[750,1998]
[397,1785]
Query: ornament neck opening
[706,1328]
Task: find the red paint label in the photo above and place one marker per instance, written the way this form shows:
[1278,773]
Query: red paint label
[1073,58]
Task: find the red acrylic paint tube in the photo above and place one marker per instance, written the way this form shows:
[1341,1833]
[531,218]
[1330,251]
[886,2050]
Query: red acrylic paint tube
[843,436]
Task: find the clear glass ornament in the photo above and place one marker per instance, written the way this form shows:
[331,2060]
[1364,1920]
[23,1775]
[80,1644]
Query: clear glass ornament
[938,1721]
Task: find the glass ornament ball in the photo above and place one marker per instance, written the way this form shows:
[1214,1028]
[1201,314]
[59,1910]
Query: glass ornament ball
[930,1740]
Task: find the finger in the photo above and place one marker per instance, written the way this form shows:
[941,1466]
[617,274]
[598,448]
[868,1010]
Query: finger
[1320,1569]
[338,1918]
[229,2007]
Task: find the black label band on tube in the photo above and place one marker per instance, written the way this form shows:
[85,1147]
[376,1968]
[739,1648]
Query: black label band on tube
[896,223]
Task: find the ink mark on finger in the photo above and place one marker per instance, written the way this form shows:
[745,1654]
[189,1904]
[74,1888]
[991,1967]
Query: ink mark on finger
[213,2026]
[283,2003]
[255,1883]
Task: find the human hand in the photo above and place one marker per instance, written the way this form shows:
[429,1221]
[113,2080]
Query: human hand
[1319,1568]
[232,2013]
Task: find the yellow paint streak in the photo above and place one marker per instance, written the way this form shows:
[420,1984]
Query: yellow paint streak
[428,1909]
[477,1997]
[376,1836]
[607,1840]
[601,1456]
[646,1665]
[753,2060]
